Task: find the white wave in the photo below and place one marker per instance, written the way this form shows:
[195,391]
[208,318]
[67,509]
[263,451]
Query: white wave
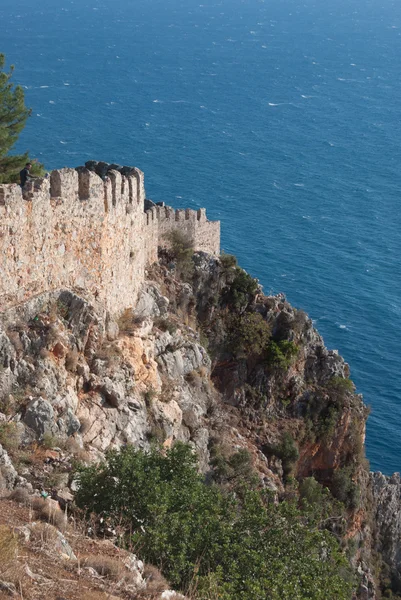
[343,327]
[61,142]
[303,96]
[264,46]
[157,101]
[42,87]
[179,102]
[299,184]
[66,84]
[51,102]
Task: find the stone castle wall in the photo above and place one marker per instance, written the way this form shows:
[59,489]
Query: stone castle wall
[77,231]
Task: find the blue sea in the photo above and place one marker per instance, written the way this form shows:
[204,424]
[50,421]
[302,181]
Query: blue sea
[282,118]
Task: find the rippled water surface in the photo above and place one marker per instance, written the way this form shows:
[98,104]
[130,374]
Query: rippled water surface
[282,118]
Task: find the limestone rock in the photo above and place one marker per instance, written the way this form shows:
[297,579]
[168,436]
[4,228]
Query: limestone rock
[387,510]
[39,417]
[151,303]
[8,474]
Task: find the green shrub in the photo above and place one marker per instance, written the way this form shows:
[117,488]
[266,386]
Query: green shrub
[281,354]
[339,387]
[228,260]
[232,469]
[254,397]
[249,334]
[287,451]
[242,289]
[344,489]
[182,251]
[222,545]
[10,437]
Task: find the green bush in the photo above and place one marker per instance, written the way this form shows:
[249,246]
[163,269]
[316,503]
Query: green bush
[182,251]
[287,451]
[344,489]
[232,469]
[10,437]
[241,290]
[228,261]
[341,385]
[249,334]
[232,546]
[281,354]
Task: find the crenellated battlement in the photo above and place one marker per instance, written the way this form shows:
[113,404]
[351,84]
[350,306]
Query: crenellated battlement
[86,229]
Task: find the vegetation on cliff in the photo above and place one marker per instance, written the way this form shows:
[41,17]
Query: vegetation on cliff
[215,543]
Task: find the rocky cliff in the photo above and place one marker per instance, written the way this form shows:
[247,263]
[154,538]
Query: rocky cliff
[204,357]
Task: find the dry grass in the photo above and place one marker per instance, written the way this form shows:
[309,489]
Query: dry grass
[71,360]
[11,572]
[46,511]
[43,533]
[104,566]
[10,436]
[155,583]
[8,546]
[20,495]
[128,322]
[95,595]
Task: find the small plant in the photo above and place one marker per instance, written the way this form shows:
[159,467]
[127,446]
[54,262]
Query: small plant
[50,441]
[110,353]
[281,354]
[182,251]
[128,322]
[71,360]
[105,566]
[194,379]
[8,546]
[255,397]
[9,436]
[249,334]
[341,386]
[344,489]
[46,511]
[228,260]
[165,324]
[149,395]
[242,289]
[62,309]
[288,452]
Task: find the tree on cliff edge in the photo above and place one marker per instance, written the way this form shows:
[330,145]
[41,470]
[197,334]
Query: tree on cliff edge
[13,116]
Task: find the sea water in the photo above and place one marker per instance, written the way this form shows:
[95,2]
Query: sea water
[281,118]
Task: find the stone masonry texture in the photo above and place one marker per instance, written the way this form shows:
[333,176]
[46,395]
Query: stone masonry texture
[78,231]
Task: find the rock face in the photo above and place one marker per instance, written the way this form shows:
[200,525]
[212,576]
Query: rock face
[8,475]
[387,514]
[76,380]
